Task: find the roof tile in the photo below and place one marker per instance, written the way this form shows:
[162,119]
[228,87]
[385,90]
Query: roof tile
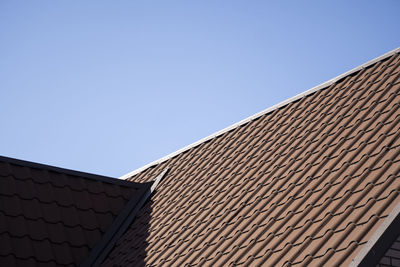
[45,192]
[7,185]
[52,214]
[58,179]
[22,246]
[79,253]
[20,172]
[25,189]
[57,232]
[82,199]
[31,209]
[37,229]
[75,236]
[95,187]
[77,184]
[102,203]
[88,219]
[11,205]
[62,253]
[64,197]
[41,176]
[43,250]
[92,237]
[104,220]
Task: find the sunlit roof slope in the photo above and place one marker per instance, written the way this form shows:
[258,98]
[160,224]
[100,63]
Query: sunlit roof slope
[309,182]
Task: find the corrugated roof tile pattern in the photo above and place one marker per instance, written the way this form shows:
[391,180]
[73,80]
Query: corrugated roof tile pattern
[49,218]
[392,256]
[307,184]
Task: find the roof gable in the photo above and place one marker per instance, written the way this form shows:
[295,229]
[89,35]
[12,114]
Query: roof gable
[307,183]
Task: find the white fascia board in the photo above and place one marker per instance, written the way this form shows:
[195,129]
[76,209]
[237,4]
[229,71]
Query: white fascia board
[265,111]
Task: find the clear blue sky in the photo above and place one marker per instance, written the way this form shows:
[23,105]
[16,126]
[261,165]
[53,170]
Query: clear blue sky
[109,86]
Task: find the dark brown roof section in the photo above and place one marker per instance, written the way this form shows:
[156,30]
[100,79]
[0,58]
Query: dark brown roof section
[51,216]
[308,183]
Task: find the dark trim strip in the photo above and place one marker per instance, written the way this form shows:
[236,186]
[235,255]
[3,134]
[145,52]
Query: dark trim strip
[67,171]
[121,224]
[381,241]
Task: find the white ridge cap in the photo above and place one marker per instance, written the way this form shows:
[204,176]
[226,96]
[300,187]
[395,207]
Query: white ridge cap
[265,111]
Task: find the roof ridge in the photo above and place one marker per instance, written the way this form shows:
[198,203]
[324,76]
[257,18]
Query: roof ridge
[263,112]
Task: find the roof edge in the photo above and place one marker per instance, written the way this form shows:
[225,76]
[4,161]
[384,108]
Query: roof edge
[380,241]
[90,176]
[263,112]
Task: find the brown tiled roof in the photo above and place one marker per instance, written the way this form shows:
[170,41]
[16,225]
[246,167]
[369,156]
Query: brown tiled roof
[306,183]
[55,217]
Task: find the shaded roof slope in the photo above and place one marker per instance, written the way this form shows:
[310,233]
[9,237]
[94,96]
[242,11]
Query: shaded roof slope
[54,217]
[306,183]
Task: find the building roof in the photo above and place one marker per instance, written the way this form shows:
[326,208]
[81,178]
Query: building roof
[57,217]
[312,181]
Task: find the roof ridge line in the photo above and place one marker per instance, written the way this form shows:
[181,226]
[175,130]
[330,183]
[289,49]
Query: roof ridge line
[263,112]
